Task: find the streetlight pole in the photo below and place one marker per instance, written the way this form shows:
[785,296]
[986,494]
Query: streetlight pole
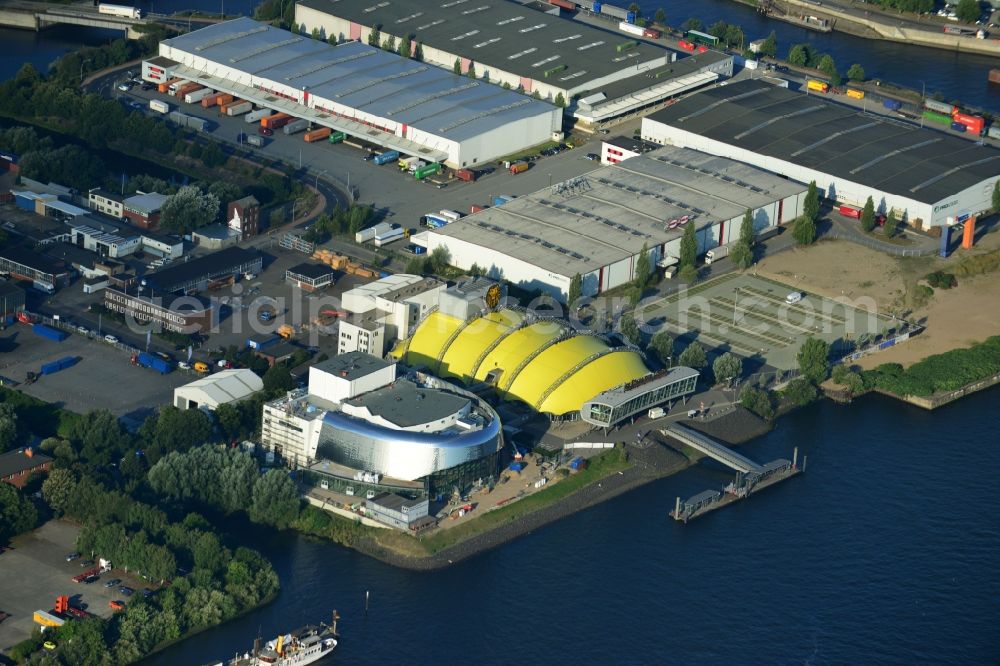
[316,183]
[923,95]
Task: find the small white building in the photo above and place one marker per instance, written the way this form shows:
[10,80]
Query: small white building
[362,333]
[218,389]
[386,310]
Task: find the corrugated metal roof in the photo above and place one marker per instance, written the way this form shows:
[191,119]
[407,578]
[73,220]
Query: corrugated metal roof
[222,387]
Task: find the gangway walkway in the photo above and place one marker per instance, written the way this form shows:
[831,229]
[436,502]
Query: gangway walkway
[711,448]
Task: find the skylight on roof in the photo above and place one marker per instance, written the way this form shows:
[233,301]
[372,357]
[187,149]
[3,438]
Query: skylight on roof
[589,46]
[514,56]
[510,20]
[474,10]
[464,35]
[544,60]
[373,8]
[537,26]
[566,39]
[487,42]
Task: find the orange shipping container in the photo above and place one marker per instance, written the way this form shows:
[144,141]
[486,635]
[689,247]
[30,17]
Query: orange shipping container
[185,89]
[223,98]
[277,120]
[209,101]
[224,106]
[318,134]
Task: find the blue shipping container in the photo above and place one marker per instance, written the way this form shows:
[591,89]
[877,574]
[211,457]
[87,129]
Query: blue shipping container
[386,157]
[597,8]
[630,17]
[958,127]
[945,237]
[501,199]
[52,334]
[56,366]
[517,466]
[892,104]
[263,343]
[24,202]
[154,363]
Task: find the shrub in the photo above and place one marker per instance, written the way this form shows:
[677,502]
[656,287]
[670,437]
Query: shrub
[941,280]
[758,401]
[942,372]
[800,391]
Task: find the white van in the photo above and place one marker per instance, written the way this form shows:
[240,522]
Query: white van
[793,297]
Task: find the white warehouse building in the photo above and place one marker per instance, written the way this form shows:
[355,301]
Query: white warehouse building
[596,225]
[929,177]
[380,97]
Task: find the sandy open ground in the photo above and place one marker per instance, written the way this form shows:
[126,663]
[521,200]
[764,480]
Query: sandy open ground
[954,318]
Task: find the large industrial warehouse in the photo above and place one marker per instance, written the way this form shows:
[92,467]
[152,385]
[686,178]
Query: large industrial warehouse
[929,177]
[597,225]
[402,104]
[611,73]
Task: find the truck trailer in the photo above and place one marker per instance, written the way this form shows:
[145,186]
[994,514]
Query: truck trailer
[237,108]
[159,106]
[276,121]
[255,116]
[317,134]
[295,126]
[152,362]
[386,157]
[195,96]
[370,233]
[717,253]
[388,236]
[52,334]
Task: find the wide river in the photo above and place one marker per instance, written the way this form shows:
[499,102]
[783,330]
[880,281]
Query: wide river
[886,551]
[956,76]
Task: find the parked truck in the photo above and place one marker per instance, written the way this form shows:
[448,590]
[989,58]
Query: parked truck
[152,362]
[468,175]
[717,253]
[165,86]
[276,121]
[387,237]
[255,116]
[195,96]
[386,157]
[317,134]
[657,413]
[370,233]
[189,87]
[427,170]
[519,167]
[849,211]
[159,106]
[52,334]
[295,126]
[255,141]
[337,137]
[237,108]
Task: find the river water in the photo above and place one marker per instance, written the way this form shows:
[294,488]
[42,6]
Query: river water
[962,77]
[887,550]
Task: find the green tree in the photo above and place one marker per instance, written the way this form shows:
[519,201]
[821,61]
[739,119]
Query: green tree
[727,367]
[810,207]
[418,51]
[294,29]
[968,11]
[475,270]
[575,290]
[800,391]
[662,345]
[58,490]
[688,274]
[415,266]
[275,500]
[17,513]
[799,55]
[814,359]
[804,230]
[629,328]
[315,34]
[189,209]
[278,379]
[741,255]
[829,67]
[758,401]
[891,227]
[389,44]
[996,197]
[457,67]
[560,101]
[856,73]
[374,35]
[689,247]
[868,215]
[660,17]
[405,46]
[471,71]
[8,427]
[643,268]
[770,45]
[440,259]
[692,24]
[693,356]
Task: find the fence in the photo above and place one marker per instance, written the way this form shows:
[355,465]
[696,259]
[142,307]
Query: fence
[880,246]
[92,335]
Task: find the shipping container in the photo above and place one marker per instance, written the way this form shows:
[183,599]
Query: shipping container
[158,106]
[177,85]
[958,127]
[209,100]
[276,121]
[651,33]
[165,86]
[468,175]
[819,86]
[854,93]
[850,211]
[434,221]
[197,124]
[263,343]
[630,28]
[428,170]
[501,199]
[179,118]
[318,134]
[892,104]
[196,96]
[223,98]
[188,87]
[386,157]
[237,108]
[52,334]
[337,137]
[296,126]
[563,4]
[475,209]
[940,107]
[519,167]
[936,117]
[974,124]
[686,45]
[255,116]
[994,132]
[255,141]
[611,10]
[368,234]
[61,364]
[452,215]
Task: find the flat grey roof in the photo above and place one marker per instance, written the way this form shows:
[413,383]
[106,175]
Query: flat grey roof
[352,365]
[501,34]
[362,77]
[149,202]
[394,502]
[606,215]
[406,404]
[808,130]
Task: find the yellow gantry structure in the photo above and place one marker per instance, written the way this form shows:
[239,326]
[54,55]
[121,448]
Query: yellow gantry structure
[543,363]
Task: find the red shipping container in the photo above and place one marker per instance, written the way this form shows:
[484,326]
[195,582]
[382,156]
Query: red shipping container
[973,124]
[475,209]
[850,211]
[687,46]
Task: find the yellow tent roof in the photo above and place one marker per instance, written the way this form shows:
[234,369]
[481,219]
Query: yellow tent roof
[601,374]
[427,340]
[475,338]
[546,368]
[515,348]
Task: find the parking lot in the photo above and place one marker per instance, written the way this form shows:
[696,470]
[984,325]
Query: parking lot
[752,317]
[34,572]
[102,378]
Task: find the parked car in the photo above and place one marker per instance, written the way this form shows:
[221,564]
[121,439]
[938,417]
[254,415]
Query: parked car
[592,157]
[84,564]
[183,365]
[72,556]
[124,87]
[113,582]
[111,339]
[83,330]
[147,593]
[148,86]
[127,591]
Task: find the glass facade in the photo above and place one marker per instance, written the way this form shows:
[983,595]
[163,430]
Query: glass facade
[615,406]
